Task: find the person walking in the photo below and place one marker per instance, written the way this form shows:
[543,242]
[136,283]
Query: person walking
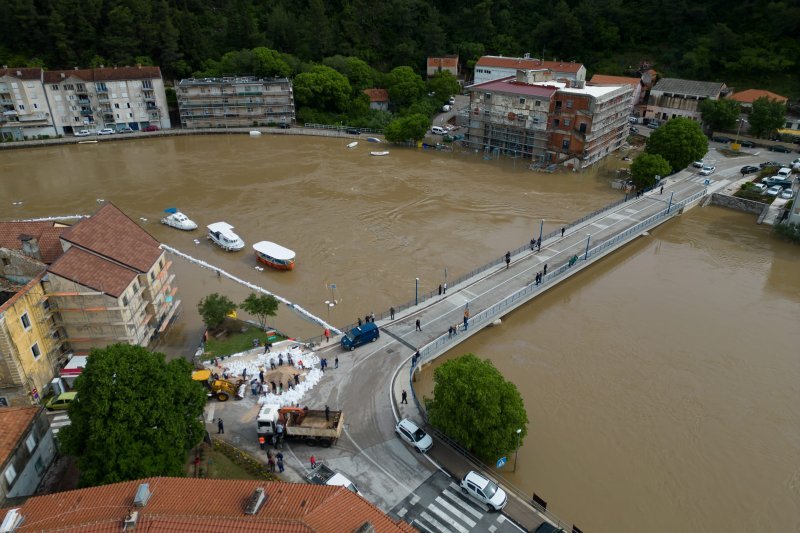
[545,269]
[220,427]
[261,376]
[450,332]
[533,244]
[327,335]
[359,321]
[391,313]
[313,461]
[662,190]
[444,287]
[336,362]
[539,244]
[419,326]
[266,346]
[279,460]
[404,397]
[440,289]
[508,260]
[563,229]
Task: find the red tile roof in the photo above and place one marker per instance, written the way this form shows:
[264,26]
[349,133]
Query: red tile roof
[511,86]
[46,233]
[15,422]
[22,73]
[446,61]
[605,79]
[103,74]
[377,95]
[200,505]
[751,95]
[518,62]
[93,271]
[111,234]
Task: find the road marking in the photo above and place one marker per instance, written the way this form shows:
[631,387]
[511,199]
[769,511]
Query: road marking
[448,519]
[414,499]
[464,518]
[402,512]
[421,526]
[435,522]
[464,505]
[377,465]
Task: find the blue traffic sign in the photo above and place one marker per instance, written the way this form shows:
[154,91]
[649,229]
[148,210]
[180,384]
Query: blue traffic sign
[501,462]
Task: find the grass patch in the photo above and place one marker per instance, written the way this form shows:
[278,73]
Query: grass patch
[732,153]
[223,461]
[238,341]
[754,194]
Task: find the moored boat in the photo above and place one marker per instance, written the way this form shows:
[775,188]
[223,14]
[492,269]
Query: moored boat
[255,133]
[274,255]
[222,234]
[373,139]
[353,144]
[379,153]
[178,220]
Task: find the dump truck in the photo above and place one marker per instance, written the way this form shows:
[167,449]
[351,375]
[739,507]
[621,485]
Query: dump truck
[316,427]
[222,389]
[322,475]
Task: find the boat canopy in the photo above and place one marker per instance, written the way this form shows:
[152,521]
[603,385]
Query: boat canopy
[220,227]
[171,210]
[275,251]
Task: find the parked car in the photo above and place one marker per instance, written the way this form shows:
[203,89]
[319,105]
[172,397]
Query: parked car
[106,131]
[412,434]
[760,187]
[775,190]
[452,100]
[766,164]
[445,108]
[698,164]
[707,170]
[634,129]
[547,527]
[721,139]
[124,129]
[778,180]
[151,127]
[747,144]
[354,131]
[787,193]
[653,124]
[749,169]
[83,133]
[285,125]
[781,149]
[484,490]
[61,401]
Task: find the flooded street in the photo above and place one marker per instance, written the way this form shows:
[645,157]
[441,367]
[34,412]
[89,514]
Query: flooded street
[662,384]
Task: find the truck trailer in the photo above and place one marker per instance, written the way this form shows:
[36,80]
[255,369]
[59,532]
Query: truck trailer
[316,427]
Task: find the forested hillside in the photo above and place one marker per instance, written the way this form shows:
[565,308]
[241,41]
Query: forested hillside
[741,42]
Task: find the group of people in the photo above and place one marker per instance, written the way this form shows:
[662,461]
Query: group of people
[323,363]
[261,386]
[274,460]
[368,318]
[535,243]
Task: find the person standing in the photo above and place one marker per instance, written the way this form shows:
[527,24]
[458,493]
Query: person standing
[261,376]
[391,313]
[220,427]
[419,326]
[539,244]
[563,229]
[444,287]
[662,190]
[327,335]
[533,244]
[404,397]
[336,362]
[279,459]
[359,321]
[545,269]
[372,316]
[440,289]
[508,260]
[313,461]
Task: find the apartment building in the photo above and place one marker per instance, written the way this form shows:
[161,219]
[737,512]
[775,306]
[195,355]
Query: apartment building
[635,83]
[490,68]
[26,450]
[510,115]
[446,63]
[235,102]
[40,102]
[549,121]
[672,97]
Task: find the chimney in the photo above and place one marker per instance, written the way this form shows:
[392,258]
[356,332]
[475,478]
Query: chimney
[527,55]
[30,247]
[12,521]
[255,502]
[19,73]
[130,520]
[63,75]
[142,495]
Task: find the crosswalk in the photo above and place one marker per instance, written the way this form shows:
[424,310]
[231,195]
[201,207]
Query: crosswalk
[450,511]
[59,421]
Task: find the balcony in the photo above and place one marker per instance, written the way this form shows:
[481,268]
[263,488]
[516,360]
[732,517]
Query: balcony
[86,112]
[33,117]
[101,89]
[84,101]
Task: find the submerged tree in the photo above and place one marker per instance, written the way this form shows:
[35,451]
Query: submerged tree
[260,306]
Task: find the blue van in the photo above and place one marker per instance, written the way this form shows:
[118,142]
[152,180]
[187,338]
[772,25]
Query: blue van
[363,334]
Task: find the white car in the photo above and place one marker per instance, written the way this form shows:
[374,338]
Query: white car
[452,100]
[484,490]
[698,164]
[412,434]
[787,193]
[106,131]
[759,187]
[83,133]
[707,170]
[446,108]
[775,190]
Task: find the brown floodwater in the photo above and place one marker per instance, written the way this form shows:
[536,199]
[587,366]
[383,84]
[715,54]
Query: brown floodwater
[662,385]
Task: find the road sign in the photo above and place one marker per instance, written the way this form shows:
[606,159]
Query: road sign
[501,462]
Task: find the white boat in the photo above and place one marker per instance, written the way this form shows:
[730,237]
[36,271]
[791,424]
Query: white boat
[222,234]
[87,142]
[274,255]
[353,144]
[178,220]
[379,153]
[373,139]
[255,133]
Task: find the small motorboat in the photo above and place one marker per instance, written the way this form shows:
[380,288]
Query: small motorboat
[255,133]
[274,255]
[87,142]
[373,139]
[353,144]
[178,220]
[379,153]
[222,234]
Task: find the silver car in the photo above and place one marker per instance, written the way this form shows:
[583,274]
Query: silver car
[412,434]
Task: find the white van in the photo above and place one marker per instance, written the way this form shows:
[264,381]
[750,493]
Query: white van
[785,173]
[438,130]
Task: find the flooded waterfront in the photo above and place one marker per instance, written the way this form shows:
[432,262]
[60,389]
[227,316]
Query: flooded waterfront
[662,384]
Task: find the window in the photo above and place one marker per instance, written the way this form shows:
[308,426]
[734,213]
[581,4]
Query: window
[537,103]
[147,84]
[488,96]
[69,87]
[521,101]
[39,465]
[30,442]
[36,106]
[556,122]
[569,104]
[565,144]
[37,353]
[21,107]
[26,322]
[135,287]
[10,474]
[152,276]
[566,122]
[125,300]
[116,106]
[161,264]
[54,87]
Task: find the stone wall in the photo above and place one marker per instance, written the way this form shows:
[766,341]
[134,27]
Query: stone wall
[740,204]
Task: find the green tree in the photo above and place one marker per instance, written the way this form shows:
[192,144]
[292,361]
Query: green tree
[680,141]
[405,86]
[269,63]
[214,308]
[477,407]
[135,416]
[646,167]
[260,306]
[767,116]
[720,114]
[444,85]
[322,88]
[408,128]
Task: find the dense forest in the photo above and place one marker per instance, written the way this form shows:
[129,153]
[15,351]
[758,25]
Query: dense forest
[746,43]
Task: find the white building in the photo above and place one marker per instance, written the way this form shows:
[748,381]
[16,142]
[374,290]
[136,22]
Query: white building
[490,68]
[25,108]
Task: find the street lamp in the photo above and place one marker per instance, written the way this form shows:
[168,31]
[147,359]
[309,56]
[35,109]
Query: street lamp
[330,304]
[519,431]
[740,121]
[416,291]
[541,228]
[586,255]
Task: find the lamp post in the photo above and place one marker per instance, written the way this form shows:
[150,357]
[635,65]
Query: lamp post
[416,291]
[541,228]
[516,452]
[586,255]
[740,121]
